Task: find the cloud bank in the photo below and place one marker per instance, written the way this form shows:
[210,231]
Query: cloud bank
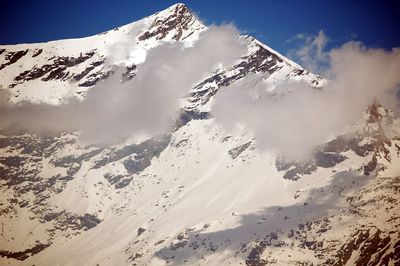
[292,117]
[145,105]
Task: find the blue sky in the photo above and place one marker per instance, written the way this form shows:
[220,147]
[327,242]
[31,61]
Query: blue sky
[375,23]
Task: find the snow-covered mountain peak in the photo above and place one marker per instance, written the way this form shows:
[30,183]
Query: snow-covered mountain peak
[68,68]
[194,194]
[86,61]
[175,23]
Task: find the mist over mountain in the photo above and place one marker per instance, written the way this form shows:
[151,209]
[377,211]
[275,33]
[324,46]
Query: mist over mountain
[170,142]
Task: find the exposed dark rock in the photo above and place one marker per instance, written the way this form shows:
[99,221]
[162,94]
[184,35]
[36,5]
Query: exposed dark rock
[88,221]
[345,143]
[295,170]
[65,220]
[180,236]
[188,115]
[13,173]
[327,160]
[180,20]
[13,161]
[70,160]
[369,167]
[374,115]
[255,256]
[159,242]
[366,244]
[119,181]
[123,183]
[142,154]
[181,143]
[94,78]
[129,73]
[54,70]
[140,231]
[361,150]
[87,70]
[338,145]
[262,60]
[23,255]
[282,164]
[235,152]
[136,256]
[13,57]
[37,52]
[178,245]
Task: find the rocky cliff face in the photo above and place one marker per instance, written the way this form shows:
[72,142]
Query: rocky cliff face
[193,195]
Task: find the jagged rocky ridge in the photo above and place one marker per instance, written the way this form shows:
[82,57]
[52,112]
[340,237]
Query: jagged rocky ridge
[193,195]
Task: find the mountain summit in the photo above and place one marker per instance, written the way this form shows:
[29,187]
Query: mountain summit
[65,67]
[194,193]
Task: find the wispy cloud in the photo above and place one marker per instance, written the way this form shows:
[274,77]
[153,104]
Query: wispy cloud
[311,54]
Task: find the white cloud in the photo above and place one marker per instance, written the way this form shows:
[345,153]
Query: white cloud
[311,54]
[295,117]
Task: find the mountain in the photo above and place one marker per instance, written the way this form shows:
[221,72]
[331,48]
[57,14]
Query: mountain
[196,194]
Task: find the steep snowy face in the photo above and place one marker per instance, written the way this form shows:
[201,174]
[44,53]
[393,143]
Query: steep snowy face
[194,194]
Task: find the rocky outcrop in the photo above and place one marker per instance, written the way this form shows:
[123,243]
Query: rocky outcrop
[12,57]
[56,70]
[178,21]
